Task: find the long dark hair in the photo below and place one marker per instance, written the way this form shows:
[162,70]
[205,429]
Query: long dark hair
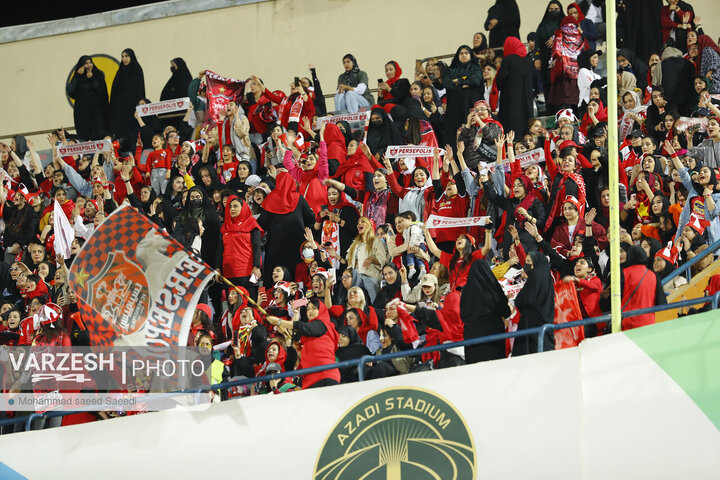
[466,255]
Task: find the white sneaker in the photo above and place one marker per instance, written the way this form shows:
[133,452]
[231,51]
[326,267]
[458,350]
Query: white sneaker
[411,272]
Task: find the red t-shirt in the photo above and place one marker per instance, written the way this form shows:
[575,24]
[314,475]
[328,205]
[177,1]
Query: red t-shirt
[458,274]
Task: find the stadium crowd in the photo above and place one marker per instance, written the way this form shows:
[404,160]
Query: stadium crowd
[329,236]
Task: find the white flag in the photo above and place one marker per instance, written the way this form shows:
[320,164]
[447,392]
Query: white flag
[64,233]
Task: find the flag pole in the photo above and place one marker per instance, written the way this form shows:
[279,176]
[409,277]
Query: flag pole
[240,292]
[613,162]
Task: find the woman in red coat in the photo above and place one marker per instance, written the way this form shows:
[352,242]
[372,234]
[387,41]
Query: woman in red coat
[319,341]
[642,288]
[240,245]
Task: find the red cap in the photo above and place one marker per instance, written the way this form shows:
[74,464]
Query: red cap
[569,143]
[204,307]
[669,253]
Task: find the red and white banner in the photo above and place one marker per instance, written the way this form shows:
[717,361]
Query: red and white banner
[435,221]
[64,233]
[531,157]
[683,123]
[567,309]
[85,148]
[220,91]
[360,117]
[411,151]
[136,285]
[166,106]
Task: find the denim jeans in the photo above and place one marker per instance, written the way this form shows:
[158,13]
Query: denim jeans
[349,102]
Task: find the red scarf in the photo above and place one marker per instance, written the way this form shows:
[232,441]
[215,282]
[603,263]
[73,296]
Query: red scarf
[529,198]
[335,141]
[569,43]
[243,223]
[284,197]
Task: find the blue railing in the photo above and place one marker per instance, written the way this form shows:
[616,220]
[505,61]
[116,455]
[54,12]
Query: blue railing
[686,266]
[360,363]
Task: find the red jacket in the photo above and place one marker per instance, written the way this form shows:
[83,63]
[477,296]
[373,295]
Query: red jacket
[455,207]
[561,236]
[639,291]
[589,291]
[320,351]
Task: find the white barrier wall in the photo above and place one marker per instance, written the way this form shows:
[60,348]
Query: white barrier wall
[637,405]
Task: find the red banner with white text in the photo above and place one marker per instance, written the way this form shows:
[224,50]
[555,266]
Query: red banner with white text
[220,91]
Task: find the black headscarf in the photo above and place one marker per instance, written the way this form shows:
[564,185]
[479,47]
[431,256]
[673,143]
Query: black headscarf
[549,23]
[21,146]
[635,255]
[347,134]
[197,175]
[177,85]
[583,60]
[388,291]
[459,69]
[482,294]
[378,138]
[483,45]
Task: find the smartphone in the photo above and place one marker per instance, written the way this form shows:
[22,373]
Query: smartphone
[297,81]
[380,80]
[324,208]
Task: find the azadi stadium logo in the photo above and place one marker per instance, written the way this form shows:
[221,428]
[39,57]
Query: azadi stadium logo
[399,433]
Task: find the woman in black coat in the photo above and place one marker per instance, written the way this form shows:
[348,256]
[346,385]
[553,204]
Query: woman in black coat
[284,214]
[464,85]
[503,21]
[128,89]
[87,87]
[177,85]
[536,304]
[515,82]
[483,305]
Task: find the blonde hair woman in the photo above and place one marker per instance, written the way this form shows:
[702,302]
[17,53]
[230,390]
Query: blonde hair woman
[367,255]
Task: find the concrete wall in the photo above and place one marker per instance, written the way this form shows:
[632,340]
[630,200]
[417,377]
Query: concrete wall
[274,39]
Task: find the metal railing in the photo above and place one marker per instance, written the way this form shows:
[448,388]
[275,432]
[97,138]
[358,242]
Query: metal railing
[686,266]
[360,363]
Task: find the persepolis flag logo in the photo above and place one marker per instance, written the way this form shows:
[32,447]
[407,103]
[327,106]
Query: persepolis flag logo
[404,432]
[393,152]
[120,293]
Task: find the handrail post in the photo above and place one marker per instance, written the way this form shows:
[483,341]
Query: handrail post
[28,422]
[541,336]
[715,300]
[361,366]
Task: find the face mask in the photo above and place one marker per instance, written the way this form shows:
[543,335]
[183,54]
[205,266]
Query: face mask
[527,268]
[376,123]
[195,203]
[557,14]
[308,255]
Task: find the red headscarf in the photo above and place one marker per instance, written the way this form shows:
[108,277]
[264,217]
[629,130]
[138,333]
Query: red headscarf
[513,46]
[529,198]
[369,322]
[284,197]
[398,73]
[581,17]
[357,161]
[335,141]
[243,223]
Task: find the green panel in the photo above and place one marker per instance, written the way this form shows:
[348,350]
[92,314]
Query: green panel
[688,349]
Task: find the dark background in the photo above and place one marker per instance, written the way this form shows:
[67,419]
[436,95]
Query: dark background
[33,13]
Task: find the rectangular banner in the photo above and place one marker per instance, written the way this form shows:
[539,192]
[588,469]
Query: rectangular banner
[85,148]
[683,123]
[435,221]
[166,106]
[220,91]
[360,117]
[567,309]
[136,285]
[531,157]
[411,151]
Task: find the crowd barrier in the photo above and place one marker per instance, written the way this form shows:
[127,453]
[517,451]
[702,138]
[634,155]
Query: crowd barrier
[361,362]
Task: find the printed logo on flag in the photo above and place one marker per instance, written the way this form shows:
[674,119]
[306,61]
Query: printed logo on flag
[120,293]
[402,432]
